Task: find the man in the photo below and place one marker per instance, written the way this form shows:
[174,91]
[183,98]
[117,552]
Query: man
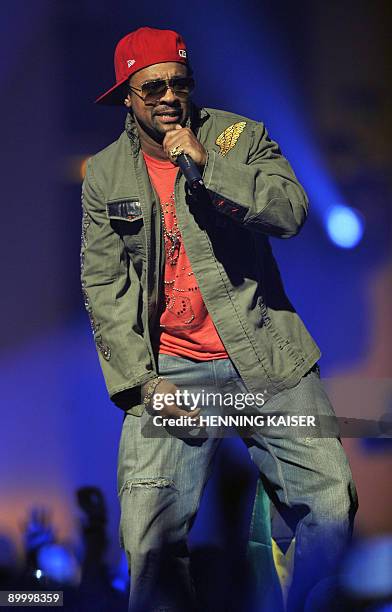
[183,292]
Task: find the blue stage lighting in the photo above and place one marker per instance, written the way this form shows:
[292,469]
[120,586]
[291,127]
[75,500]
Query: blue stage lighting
[120,580]
[345,226]
[366,571]
[58,563]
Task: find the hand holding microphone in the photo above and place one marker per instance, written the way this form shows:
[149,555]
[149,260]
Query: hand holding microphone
[183,148]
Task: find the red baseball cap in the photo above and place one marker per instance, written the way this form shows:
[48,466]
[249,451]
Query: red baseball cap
[139,49]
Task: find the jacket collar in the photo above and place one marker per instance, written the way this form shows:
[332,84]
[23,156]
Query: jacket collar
[196,118]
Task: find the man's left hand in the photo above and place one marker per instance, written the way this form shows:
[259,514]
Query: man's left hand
[184,139]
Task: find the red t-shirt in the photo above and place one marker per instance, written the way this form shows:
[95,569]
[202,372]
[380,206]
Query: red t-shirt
[185,328]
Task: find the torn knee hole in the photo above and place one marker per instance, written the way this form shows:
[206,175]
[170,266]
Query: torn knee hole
[148,483]
[153,482]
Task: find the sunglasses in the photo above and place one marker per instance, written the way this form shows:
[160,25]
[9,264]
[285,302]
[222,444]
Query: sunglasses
[152,91]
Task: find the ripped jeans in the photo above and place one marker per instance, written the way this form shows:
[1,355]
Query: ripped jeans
[161,479]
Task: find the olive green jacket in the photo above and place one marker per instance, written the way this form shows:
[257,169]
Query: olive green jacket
[252,193]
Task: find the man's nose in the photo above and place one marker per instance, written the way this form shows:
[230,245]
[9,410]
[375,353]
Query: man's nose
[169,95]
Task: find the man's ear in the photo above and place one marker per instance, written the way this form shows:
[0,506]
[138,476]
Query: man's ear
[127,101]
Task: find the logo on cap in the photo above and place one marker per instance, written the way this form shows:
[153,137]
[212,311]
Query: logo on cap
[182,52]
[130,63]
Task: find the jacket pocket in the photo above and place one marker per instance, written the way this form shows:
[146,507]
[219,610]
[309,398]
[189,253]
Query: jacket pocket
[124,210]
[127,220]
[281,342]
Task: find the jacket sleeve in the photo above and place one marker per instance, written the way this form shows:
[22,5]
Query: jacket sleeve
[262,194]
[111,290]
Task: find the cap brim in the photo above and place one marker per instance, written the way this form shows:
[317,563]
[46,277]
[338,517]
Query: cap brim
[115,95]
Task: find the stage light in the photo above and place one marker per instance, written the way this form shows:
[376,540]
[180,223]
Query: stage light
[82,167]
[58,563]
[344,226]
[366,569]
[120,581]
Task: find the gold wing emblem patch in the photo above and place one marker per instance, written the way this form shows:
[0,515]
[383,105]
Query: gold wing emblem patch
[228,139]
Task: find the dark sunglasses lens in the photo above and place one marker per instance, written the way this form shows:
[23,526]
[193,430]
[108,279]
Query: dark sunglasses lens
[182,84]
[153,89]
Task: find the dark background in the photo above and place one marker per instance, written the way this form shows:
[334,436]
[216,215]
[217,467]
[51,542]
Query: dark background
[318,75]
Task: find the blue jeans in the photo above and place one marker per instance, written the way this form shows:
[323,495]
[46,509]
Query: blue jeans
[161,479]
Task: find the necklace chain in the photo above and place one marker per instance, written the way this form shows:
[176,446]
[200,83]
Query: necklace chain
[172,236]
[172,240]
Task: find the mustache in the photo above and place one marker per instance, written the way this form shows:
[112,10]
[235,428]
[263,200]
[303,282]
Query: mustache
[162,110]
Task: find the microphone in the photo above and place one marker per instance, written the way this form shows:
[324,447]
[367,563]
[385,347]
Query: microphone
[190,171]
